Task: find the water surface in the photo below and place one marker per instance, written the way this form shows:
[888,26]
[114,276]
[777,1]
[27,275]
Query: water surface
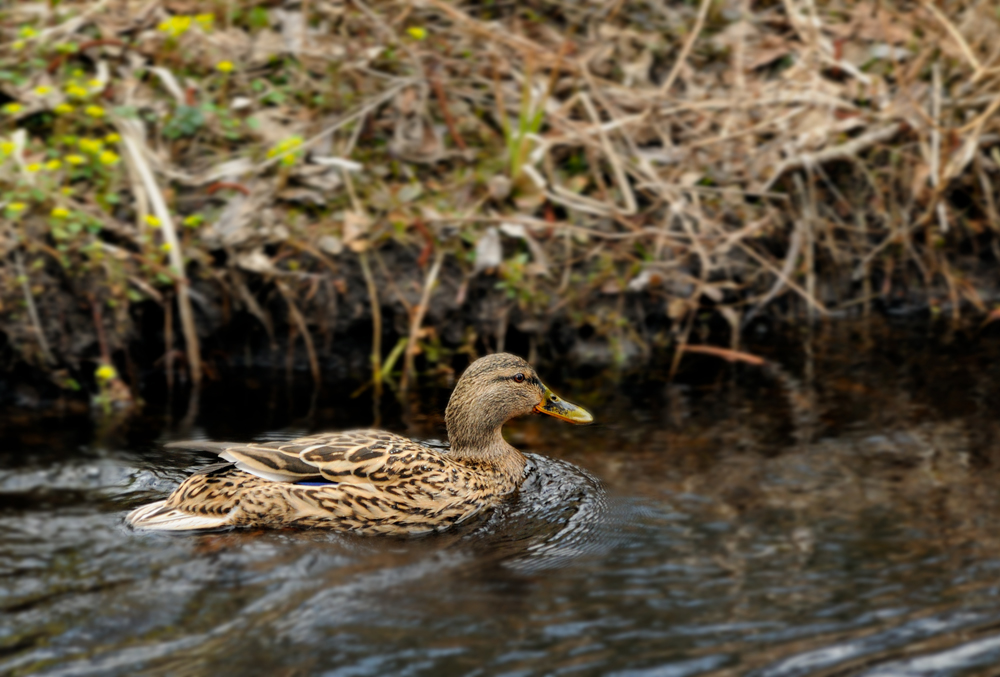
[832,513]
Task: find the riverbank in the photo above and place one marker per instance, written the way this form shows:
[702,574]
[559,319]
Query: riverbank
[380,188]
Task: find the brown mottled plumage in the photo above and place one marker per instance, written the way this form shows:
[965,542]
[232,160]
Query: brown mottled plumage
[368,480]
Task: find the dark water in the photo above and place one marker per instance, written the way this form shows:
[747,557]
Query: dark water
[834,513]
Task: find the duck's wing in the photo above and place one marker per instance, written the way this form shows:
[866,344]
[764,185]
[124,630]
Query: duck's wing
[354,457]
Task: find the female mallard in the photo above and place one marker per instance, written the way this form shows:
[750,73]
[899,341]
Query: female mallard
[371,481]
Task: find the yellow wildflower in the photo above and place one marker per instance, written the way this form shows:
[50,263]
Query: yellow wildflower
[63,109]
[18,45]
[12,108]
[27,32]
[7,147]
[95,83]
[105,373]
[417,33]
[109,157]
[205,21]
[66,190]
[286,145]
[166,246]
[94,111]
[76,91]
[34,167]
[75,159]
[91,145]
[175,26]
[59,212]
[16,207]
[53,165]
[224,66]
[42,90]
[112,138]
[194,220]
[152,220]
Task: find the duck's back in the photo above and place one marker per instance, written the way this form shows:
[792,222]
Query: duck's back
[361,480]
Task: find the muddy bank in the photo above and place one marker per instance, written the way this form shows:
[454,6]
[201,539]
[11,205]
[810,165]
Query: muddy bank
[343,188]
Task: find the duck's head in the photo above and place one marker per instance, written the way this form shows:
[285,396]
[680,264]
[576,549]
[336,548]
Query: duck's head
[495,389]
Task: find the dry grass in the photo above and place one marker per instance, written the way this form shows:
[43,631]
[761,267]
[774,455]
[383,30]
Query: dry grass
[594,163]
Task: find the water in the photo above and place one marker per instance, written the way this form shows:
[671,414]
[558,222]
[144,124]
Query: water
[832,514]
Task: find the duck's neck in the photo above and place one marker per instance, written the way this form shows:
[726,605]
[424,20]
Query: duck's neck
[480,444]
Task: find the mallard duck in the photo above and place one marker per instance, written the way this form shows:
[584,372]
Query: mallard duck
[370,481]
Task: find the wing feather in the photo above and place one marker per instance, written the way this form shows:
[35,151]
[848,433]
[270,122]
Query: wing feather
[353,457]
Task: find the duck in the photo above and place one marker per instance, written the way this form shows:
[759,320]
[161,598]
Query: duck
[370,481]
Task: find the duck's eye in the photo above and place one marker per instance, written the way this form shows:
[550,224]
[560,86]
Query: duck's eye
[518,378]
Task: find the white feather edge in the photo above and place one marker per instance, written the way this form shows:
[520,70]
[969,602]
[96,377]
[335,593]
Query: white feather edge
[156,516]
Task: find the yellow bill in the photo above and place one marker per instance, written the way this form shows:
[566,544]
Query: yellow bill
[553,405]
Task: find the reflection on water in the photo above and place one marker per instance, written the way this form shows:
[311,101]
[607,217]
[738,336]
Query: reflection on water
[833,513]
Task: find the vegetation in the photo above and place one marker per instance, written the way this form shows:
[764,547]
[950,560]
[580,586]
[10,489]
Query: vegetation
[603,180]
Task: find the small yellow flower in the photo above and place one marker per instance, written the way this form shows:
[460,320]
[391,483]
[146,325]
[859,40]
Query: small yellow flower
[205,21]
[175,26]
[224,66]
[288,160]
[7,147]
[91,145]
[42,90]
[194,220]
[94,111]
[417,33]
[59,212]
[16,207]
[109,157]
[152,221]
[34,167]
[112,138]
[12,108]
[105,373]
[27,32]
[166,246]
[18,45]
[53,165]
[66,190]
[76,91]
[75,159]
[95,83]
[63,109]
[286,145]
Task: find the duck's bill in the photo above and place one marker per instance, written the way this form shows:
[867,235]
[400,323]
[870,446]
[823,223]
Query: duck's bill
[553,405]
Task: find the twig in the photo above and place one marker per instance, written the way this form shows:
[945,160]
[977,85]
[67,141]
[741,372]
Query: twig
[957,36]
[418,317]
[442,98]
[612,156]
[935,169]
[29,301]
[376,356]
[300,322]
[686,50]
[809,228]
[130,135]
[842,152]
[726,354]
[783,275]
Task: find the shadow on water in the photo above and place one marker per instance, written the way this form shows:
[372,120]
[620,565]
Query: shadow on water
[831,513]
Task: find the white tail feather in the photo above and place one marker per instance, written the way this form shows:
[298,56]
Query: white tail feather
[157,516]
